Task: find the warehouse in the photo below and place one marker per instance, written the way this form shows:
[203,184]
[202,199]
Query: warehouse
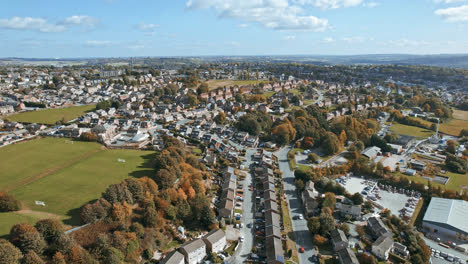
[446,219]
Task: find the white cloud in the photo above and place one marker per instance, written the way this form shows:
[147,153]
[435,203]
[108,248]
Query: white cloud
[290,37]
[449,1]
[354,39]
[328,40]
[243,25]
[454,14]
[30,23]
[81,20]
[147,27]
[99,43]
[273,14]
[331,4]
[43,25]
[371,4]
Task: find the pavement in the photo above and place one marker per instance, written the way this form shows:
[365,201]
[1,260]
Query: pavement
[451,251]
[245,248]
[301,232]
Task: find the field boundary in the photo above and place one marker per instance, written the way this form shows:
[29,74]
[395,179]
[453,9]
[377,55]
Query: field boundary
[50,171]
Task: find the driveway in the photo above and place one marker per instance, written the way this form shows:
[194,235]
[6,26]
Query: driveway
[245,248]
[301,232]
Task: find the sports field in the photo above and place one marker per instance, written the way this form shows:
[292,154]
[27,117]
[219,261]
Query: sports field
[52,115]
[411,130]
[64,174]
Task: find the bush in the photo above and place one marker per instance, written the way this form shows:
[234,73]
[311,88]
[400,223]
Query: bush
[8,203]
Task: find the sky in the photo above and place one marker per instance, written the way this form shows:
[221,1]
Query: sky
[125,28]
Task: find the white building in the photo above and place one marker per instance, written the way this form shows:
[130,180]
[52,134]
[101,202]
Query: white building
[215,241]
[194,251]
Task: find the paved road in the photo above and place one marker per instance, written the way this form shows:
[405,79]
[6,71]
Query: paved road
[451,251]
[247,216]
[301,232]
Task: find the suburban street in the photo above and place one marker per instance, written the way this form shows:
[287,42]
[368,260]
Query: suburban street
[245,248]
[301,232]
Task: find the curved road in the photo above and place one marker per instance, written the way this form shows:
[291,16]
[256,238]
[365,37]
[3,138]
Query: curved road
[301,232]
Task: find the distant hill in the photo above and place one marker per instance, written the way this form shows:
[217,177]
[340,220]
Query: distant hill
[441,60]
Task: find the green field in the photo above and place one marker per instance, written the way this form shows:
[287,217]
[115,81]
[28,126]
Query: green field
[11,218]
[411,130]
[50,116]
[65,174]
[456,180]
[213,84]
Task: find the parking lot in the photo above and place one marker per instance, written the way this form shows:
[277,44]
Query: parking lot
[390,199]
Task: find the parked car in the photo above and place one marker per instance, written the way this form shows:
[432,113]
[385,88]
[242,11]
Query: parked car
[301,250]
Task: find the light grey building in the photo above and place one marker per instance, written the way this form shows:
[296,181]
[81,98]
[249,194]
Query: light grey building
[447,217]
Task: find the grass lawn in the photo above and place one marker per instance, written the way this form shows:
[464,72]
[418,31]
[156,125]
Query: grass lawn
[50,116]
[411,130]
[213,84]
[11,218]
[454,125]
[66,175]
[268,94]
[456,180]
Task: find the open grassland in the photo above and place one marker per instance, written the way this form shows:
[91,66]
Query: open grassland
[456,181]
[7,220]
[52,115]
[411,130]
[453,126]
[213,84]
[65,174]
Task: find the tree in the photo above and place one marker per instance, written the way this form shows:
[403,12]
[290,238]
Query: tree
[220,118]
[9,253]
[284,132]
[313,158]
[207,217]
[49,229]
[357,198]
[320,240]
[329,200]
[327,223]
[285,103]
[331,144]
[32,258]
[203,88]
[314,225]
[58,258]
[88,136]
[8,203]
[344,227]
[113,255]
[192,100]
[27,238]
[118,193]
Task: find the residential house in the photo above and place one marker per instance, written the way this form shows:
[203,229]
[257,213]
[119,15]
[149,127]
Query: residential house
[194,251]
[346,209]
[382,246]
[215,241]
[338,239]
[377,227]
[347,256]
[175,257]
[274,250]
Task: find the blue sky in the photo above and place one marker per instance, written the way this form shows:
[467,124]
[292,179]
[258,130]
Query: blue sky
[120,28]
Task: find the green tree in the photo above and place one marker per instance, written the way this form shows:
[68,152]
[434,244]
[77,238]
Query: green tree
[357,198]
[207,217]
[331,144]
[113,255]
[220,118]
[313,158]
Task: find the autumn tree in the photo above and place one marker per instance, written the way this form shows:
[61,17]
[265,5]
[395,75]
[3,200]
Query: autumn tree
[8,203]
[95,211]
[58,258]
[329,200]
[320,240]
[284,132]
[31,257]
[9,253]
[27,238]
[220,118]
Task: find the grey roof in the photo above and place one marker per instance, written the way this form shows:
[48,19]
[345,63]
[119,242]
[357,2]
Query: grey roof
[453,213]
[214,236]
[272,231]
[272,218]
[193,245]
[175,257]
[371,151]
[337,236]
[383,242]
[347,256]
[274,250]
[269,196]
[271,205]
[269,187]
